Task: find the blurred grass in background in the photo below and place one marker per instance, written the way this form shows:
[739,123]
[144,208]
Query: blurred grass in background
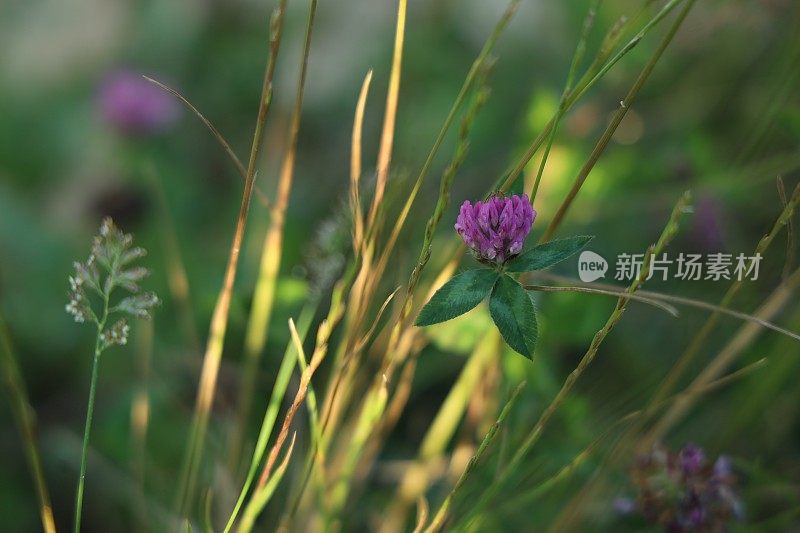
[720,116]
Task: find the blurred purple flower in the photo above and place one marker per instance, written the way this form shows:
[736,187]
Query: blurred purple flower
[134,106]
[682,491]
[692,459]
[624,505]
[722,468]
[707,227]
[496,229]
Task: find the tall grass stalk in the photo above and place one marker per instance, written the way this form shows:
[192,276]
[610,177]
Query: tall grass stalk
[577,57]
[624,105]
[701,336]
[596,71]
[389,364]
[442,513]
[263,494]
[390,117]
[25,418]
[271,414]
[732,350]
[219,319]
[98,349]
[366,278]
[264,295]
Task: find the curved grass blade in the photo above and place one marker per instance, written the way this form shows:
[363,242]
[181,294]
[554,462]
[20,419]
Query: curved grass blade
[261,498]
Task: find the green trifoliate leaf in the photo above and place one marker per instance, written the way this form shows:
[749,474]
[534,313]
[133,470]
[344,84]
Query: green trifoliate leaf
[547,254]
[514,315]
[457,296]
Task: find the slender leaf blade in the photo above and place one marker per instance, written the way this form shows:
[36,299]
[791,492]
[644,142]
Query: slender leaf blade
[514,315]
[547,254]
[459,295]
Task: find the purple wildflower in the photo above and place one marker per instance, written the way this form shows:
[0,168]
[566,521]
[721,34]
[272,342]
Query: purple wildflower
[134,106]
[707,229]
[692,459]
[723,469]
[682,491]
[624,505]
[496,229]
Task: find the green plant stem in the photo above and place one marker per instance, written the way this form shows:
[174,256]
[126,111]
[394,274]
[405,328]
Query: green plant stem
[98,349]
[594,74]
[25,419]
[444,509]
[580,49]
[624,105]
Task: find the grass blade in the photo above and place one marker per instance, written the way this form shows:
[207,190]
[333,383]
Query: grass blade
[26,424]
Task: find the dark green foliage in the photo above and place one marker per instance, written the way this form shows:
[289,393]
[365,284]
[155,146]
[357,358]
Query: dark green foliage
[457,296]
[514,315]
[547,254]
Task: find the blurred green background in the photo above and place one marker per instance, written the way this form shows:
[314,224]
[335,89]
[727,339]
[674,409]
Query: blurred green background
[720,116]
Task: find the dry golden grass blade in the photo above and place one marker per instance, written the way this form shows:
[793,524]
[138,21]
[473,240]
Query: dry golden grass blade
[262,495]
[359,345]
[264,295]
[355,165]
[389,119]
[320,351]
[422,514]
[219,320]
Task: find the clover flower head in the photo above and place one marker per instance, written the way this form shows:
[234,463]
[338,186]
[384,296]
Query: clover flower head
[496,228]
[135,107]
